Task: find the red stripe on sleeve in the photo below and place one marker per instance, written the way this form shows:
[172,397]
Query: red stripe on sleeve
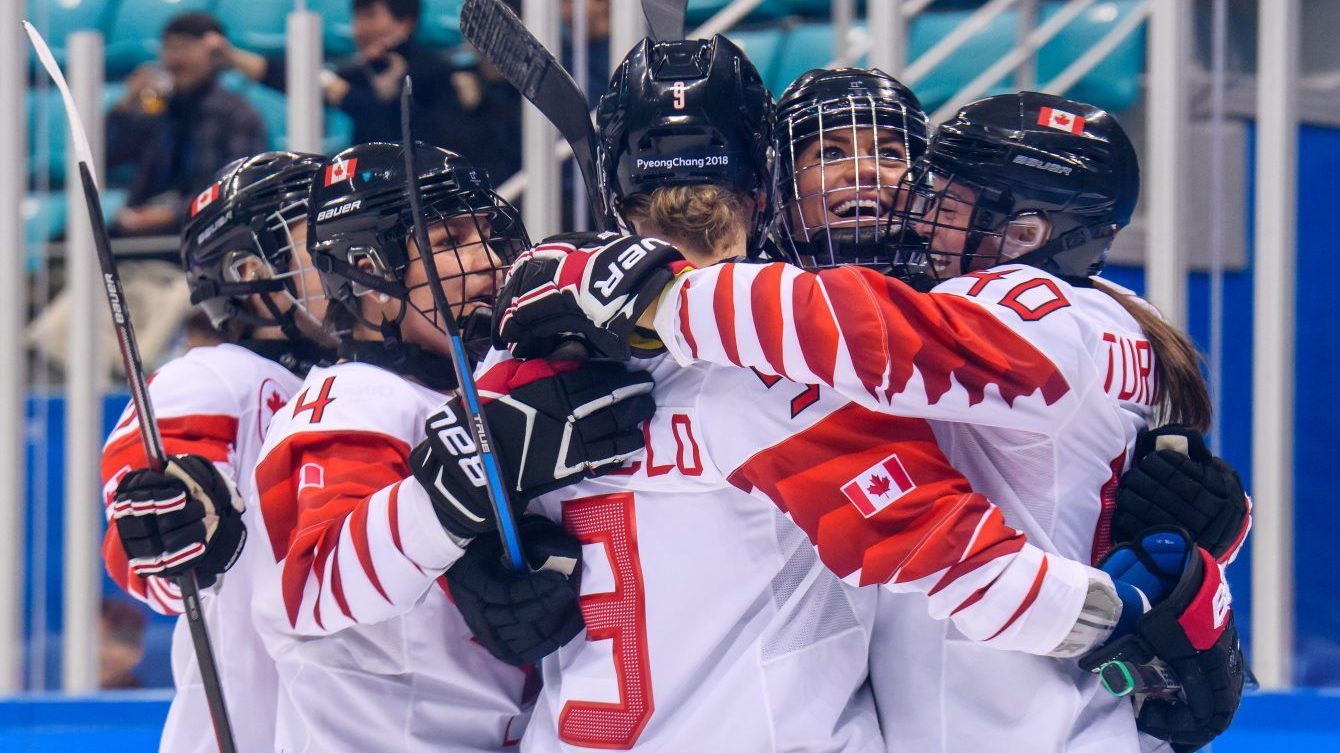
[767,311]
[358,533]
[337,585]
[723,306]
[927,530]
[818,335]
[946,338]
[684,326]
[1028,600]
[304,524]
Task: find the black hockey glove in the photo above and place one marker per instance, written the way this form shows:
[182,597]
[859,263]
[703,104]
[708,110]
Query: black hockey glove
[521,617]
[188,517]
[584,286]
[551,430]
[1189,631]
[1176,481]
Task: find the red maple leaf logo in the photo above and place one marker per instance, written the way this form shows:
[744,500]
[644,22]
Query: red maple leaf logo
[1061,119]
[879,486]
[274,402]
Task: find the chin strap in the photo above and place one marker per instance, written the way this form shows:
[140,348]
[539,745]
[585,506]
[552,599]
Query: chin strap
[392,353]
[298,356]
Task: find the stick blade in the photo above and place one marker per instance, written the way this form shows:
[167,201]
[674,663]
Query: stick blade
[666,18]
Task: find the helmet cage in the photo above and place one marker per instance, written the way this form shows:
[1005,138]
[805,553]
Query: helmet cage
[493,237]
[880,135]
[937,204]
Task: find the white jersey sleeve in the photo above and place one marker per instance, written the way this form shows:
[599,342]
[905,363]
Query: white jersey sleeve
[992,348]
[357,536]
[198,412]
[882,505]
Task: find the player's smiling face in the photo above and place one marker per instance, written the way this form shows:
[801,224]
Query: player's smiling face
[846,177]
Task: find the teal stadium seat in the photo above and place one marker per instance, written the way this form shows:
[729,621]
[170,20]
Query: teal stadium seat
[440,23]
[701,10]
[806,46]
[137,28]
[273,109]
[43,220]
[46,130]
[337,24]
[56,19]
[1113,84]
[967,62]
[256,25]
[762,46]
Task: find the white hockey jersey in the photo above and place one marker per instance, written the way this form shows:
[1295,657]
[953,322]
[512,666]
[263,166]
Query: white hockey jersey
[1035,389]
[214,401]
[371,653]
[710,625]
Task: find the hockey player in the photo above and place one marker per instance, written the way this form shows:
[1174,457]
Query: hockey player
[364,509]
[244,251]
[1028,374]
[797,450]
[845,138]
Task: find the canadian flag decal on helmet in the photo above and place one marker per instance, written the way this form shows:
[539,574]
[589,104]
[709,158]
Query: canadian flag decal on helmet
[205,198]
[1061,120]
[879,486]
[338,171]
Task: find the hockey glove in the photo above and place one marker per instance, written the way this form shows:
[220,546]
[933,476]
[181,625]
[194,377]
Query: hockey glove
[551,429]
[1177,481]
[188,517]
[588,287]
[521,617]
[1189,630]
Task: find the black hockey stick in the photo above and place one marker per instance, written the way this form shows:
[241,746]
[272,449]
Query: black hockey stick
[666,18]
[139,391]
[508,45]
[465,380]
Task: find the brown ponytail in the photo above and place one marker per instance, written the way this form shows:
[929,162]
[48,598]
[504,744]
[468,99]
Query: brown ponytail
[706,218]
[1180,391]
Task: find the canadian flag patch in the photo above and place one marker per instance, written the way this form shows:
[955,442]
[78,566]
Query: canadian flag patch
[342,170]
[879,486]
[1061,120]
[206,197]
[311,475]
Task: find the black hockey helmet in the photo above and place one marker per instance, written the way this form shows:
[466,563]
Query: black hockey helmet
[1010,156]
[249,212]
[845,138]
[360,211]
[688,112]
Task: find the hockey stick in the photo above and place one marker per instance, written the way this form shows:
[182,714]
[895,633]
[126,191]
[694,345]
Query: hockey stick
[139,391]
[666,18]
[508,45]
[494,485]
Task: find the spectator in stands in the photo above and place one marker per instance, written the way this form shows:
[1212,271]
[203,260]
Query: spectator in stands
[121,645]
[178,128]
[461,109]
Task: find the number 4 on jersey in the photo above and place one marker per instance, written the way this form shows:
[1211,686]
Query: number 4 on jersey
[318,405]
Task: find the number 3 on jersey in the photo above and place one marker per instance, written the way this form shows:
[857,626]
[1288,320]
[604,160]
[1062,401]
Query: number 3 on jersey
[619,616]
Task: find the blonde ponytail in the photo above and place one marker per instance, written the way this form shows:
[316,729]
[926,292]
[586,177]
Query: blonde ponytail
[705,217]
